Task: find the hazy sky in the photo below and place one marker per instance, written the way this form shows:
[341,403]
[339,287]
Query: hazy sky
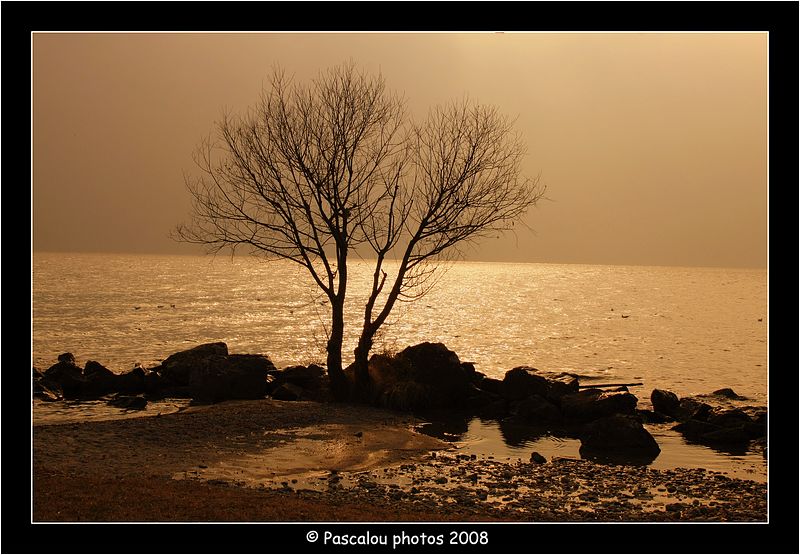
[653,146]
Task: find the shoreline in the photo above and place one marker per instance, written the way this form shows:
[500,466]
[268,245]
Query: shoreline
[236,461]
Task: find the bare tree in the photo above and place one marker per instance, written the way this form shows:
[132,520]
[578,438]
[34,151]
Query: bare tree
[313,174]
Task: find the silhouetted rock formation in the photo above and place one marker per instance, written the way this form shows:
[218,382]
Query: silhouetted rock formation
[619,433]
[717,424]
[591,404]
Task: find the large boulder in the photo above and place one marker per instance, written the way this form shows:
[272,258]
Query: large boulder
[621,434]
[536,409]
[221,378]
[65,376]
[523,381]
[665,402]
[308,377]
[99,380]
[591,404]
[132,382]
[176,368]
[424,376]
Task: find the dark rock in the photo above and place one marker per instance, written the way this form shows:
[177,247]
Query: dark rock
[590,404]
[66,377]
[132,382]
[736,434]
[129,402]
[728,393]
[692,409]
[93,367]
[407,396]
[67,358]
[307,377]
[475,399]
[537,458]
[231,377]
[470,372]
[177,367]
[559,384]
[152,382]
[173,392]
[694,429]
[731,418]
[537,409]
[99,380]
[523,381]
[438,367]
[288,392]
[494,410]
[491,385]
[650,417]
[423,376]
[255,363]
[618,433]
[665,402]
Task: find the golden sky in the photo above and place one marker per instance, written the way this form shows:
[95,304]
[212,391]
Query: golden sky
[653,146]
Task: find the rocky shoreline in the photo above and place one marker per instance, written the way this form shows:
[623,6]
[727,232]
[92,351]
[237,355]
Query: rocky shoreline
[342,463]
[428,376]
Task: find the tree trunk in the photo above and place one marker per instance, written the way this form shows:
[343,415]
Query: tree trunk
[363,384]
[340,387]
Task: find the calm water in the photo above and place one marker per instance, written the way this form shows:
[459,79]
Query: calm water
[690,330]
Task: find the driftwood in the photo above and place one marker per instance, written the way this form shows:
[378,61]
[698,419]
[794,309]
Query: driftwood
[608,385]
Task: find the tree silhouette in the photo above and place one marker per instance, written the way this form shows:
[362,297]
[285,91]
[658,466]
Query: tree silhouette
[315,173]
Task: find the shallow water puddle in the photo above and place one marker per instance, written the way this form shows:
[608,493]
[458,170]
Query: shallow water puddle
[316,457]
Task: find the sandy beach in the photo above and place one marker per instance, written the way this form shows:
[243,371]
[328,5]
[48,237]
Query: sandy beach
[276,461]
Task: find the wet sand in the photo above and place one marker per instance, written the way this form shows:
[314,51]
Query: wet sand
[274,461]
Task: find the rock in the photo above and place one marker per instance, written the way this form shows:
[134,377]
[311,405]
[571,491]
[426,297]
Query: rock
[436,366]
[288,392]
[469,371]
[423,376]
[537,458]
[559,384]
[67,358]
[665,402]
[730,418]
[407,396]
[66,377]
[590,404]
[132,382]
[307,377]
[152,382]
[523,381]
[694,429]
[728,393]
[618,433]
[692,409]
[737,434]
[176,368]
[495,410]
[650,417]
[475,399]
[99,380]
[535,409]
[231,377]
[129,402]
[492,385]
